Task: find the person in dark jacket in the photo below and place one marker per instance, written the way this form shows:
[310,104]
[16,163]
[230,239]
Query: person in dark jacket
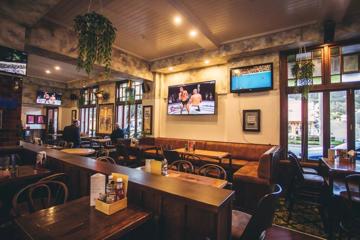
[72,133]
[117,133]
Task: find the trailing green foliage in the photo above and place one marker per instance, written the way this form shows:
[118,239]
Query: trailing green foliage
[303,72]
[96,34]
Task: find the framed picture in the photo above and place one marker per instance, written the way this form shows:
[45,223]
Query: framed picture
[73,115]
[30,119]
[40,119]
[251,120]
[350,63]
[105,118]
[147,119]
[1,118]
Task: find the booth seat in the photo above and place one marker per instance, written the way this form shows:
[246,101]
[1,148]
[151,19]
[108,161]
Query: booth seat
[241,153]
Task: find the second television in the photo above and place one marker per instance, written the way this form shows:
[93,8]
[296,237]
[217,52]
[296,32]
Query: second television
[192,99]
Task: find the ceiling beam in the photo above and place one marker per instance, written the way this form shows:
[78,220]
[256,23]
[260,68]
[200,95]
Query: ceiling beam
[205,38]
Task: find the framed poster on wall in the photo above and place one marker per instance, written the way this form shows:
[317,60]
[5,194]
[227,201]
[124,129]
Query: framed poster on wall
[73,115]
[147,119]
[40,119]
[30,119]
[105,118]
[251,120]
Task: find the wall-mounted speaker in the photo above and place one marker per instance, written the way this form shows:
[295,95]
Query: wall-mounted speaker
[146,87]
[329,31]
[73,97]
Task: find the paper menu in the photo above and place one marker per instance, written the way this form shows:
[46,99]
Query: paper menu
[97,186]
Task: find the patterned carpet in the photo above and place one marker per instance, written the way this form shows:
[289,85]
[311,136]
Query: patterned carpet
[305,218]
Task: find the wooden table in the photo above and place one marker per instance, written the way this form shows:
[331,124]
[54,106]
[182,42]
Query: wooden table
[77,220]
[193,178]
[79,151]
[22,173]
[53,146]
[340,166]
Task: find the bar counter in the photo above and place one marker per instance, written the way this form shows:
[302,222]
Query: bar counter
[182,210]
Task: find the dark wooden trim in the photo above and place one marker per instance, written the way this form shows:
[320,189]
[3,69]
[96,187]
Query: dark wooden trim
[283,102]
[350,112]
[326,123]
[305,128]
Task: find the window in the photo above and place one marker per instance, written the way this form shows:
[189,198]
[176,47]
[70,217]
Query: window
[88,111]
[129,107]
[329,117]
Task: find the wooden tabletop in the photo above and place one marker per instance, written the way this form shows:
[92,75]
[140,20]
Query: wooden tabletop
[193,178]
[77,220]
[22,173]
[79,151]
[144,147]
[101,140]
[204,153]
[342,165]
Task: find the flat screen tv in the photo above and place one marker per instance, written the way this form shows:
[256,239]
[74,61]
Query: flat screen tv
[192,99]
[48,98]
[251,78]
[13,61]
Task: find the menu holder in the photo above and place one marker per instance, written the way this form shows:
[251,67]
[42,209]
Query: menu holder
[156,167]
[111,208]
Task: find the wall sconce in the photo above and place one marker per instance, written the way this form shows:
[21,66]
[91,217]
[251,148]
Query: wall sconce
[99,94]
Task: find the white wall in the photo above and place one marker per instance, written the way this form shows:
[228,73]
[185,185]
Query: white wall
[226,125]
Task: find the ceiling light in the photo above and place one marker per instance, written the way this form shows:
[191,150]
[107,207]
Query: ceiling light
[171,68]
[193,33]
[207,61]
[47,71]
[57,68]
[177,20]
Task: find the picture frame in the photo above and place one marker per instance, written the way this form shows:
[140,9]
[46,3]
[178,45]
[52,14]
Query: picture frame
[73,115]
[147,119]
[30,119]
[105,118]
[40,119]
[1,118]
[350,63]
[251,120]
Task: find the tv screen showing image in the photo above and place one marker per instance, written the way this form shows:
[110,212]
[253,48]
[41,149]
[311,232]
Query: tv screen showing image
[192,99]
[13,61]
[251,78]
[48,98]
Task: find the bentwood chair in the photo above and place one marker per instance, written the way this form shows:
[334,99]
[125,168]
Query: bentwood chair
[123,156]
[39,195]
[194,159]
[62,177]
[304,169]
[106,159]
[212,170]
[310,188]
[350,222]
[253,227]
[171,155]
[182,166]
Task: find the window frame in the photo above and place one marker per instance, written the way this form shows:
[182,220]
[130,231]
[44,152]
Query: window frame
[326,87]
[92,108]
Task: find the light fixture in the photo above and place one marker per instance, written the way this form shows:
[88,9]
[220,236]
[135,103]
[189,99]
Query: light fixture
[207,61]
[57,68]
[177,20]
[47,71]
[171,68]
[99,94]
[193,33]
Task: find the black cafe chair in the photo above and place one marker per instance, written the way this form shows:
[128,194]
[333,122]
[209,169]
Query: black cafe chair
[213,170]
[182,166]
[253,227]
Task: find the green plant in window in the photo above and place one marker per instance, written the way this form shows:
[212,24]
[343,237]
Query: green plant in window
[303,72]
[96,34]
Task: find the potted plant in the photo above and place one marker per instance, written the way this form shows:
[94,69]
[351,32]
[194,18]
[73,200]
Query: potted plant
[303,70]
[96,34]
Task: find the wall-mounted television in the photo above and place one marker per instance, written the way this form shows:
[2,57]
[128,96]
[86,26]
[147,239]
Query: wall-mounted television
[251,78]
[13,61]
[192,99]
[48,98]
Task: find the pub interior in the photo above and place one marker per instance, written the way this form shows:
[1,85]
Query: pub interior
[180,119]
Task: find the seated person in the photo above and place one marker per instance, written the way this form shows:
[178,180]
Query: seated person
[72,133]
[117,133]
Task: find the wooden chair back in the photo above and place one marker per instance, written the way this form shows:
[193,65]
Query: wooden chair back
[296,166]
[171,156]
[106,159]
[39,195]
[353,195]
[182,166]
[264,215]
[213,170]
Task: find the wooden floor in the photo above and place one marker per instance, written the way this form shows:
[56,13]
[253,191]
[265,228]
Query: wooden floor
[281,233]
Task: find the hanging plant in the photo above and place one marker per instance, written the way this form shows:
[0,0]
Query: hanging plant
[303,70]
[130,95]
[96,34]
